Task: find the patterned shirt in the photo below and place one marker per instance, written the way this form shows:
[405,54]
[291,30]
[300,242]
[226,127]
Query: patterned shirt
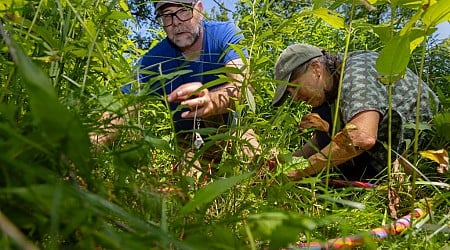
[362,90]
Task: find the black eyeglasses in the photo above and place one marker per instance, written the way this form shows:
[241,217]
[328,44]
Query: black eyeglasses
[183,14]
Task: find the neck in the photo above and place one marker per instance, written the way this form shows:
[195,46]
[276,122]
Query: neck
[334,64]
[332,89]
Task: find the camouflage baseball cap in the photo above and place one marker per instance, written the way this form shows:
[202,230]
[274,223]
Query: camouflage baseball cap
[159,4]
[292,57]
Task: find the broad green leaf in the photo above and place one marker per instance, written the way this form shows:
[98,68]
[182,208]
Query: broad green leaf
[91,29]
[416,37]
[411,23]
[211,191]
[437,13]
[116,15]
[394,57]
[383,31]
[332,18]
[280,228]
[267,223]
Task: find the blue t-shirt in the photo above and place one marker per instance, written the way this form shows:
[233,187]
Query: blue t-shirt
[165,59]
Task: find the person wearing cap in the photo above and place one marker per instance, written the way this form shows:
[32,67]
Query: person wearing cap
[192,48]
[310,74]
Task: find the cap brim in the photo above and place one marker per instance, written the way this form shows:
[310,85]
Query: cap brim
[161,3]
[280,95]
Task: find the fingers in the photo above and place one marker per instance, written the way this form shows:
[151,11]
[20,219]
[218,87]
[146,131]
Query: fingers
[313,120]
[196,111]
[199,101]
[195,103]
[185,92]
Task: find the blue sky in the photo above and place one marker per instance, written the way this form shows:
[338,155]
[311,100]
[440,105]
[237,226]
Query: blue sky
[208,4]
[442,32]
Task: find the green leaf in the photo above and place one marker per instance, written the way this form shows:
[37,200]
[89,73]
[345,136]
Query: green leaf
[268,222]
[442,123]
[91,30]
[116,15]
[219,81]
[222,70]
[349,203]
[411,3]
[319,4]
[37,30]
[416,37]
[211,191]
[332,18]
[422,126]
[160,144]
[59,126]
[394,57]
[280,228]
[383,31]
[250,99]
[110,103]
[437,13]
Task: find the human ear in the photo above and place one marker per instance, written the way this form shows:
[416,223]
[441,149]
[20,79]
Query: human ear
[316,68]
[199,6]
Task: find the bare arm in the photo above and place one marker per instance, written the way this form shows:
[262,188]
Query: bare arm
[310,148]
[358,136]
[109,130]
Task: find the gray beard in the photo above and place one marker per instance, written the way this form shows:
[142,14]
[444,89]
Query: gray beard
[195,37]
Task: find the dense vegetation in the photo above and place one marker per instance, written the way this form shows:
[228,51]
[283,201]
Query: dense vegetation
[61,66]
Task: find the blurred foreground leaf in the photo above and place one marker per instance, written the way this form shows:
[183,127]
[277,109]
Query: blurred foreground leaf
[211,191]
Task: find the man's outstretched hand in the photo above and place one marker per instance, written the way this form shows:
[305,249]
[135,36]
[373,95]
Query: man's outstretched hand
[109,130]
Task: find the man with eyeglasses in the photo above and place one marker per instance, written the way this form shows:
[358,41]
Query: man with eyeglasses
[193,47]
